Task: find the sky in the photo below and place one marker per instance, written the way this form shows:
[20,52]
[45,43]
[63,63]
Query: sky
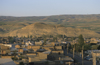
[48,7]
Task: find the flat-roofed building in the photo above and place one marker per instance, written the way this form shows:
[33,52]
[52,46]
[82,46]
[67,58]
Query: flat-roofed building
[6,61]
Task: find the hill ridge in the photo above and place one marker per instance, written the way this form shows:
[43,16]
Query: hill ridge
[39,29]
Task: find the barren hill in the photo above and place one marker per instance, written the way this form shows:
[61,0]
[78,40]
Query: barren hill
[90,22]
[38,29]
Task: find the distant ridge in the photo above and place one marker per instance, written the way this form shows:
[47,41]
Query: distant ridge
[39,29]
[13,26]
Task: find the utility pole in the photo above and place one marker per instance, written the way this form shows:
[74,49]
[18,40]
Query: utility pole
[67,48]
[94,58]
[69,63]
[73,51]
[82,55]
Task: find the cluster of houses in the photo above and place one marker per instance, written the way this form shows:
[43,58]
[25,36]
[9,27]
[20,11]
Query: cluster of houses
[30,52]
[87,40]
[36,53]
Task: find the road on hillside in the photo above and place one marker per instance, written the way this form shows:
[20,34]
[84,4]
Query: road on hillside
[79,59]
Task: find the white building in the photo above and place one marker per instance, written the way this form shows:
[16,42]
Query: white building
[9,45]
[28,43]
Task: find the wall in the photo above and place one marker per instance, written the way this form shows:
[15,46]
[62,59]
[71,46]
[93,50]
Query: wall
[58,47]
[61,51]
[42,55]
[6,56]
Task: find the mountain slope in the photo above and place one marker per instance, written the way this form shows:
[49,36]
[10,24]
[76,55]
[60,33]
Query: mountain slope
[90,22]
[39,29]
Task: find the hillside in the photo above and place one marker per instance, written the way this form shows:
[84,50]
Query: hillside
[90,22]
[39,29]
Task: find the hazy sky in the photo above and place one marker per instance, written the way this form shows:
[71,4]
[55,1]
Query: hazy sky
[48,7]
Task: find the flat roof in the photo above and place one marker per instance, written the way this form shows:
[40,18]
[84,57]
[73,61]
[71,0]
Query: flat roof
[7,61]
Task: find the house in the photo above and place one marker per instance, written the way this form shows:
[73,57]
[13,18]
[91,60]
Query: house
[74,42]
[23,43]
[4,51]
[65,60]
[25,50]
[89,52]
[35,48]
[4,47]
[39,43]
[57,51]
[20,50]
[9,45]
[53,43]
[28,43]
[42,55]
[48,47]
[6,61]
[25,61]
[23,46]
[58,47]
[86,40]
[17,46]
[94,40]
[37,58]
[59,57]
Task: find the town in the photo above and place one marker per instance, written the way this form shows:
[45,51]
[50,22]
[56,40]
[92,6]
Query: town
[49,32]
[49,50]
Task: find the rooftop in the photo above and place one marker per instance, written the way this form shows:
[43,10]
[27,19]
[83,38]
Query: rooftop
[7,61]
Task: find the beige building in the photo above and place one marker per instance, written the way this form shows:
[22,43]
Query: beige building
[4,47]
[35,48]
[53,43]
[57,51]
[37,57]
[4,51]
[39,43]
[20,50]
[93,40]
[58,47]
[17,46]
[74,42]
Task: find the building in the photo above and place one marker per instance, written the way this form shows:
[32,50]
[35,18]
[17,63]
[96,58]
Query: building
[6,61]
[94,40]
[4,49]
[9,45]
[20,50]
[35,48]
[28,43]
[39,43]
[17,46]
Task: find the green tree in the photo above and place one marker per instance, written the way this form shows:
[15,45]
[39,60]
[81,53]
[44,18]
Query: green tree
[78,47]
[95,47]
[98,47]
[28,36]
[14,57]
[81,40]
[16,35]
[31,36]
[87,47]
[54,39]
[72,38]
[4,39]
[24,37]
[50,36]
[11,39]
